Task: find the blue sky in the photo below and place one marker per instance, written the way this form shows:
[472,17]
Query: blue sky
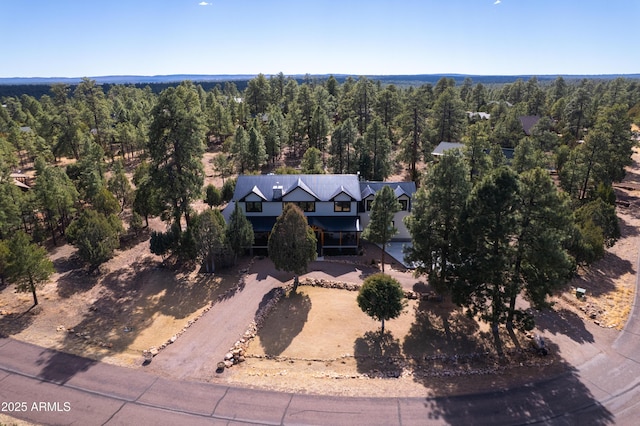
[71,38]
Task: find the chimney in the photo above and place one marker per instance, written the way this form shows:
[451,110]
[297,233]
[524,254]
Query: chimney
[277,191]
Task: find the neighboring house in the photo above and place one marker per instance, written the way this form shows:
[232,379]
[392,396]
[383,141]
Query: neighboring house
[446,146]
[335,206]
[478,115]
[527,122]
[21,180]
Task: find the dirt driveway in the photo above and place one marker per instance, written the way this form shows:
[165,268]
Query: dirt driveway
[195,354]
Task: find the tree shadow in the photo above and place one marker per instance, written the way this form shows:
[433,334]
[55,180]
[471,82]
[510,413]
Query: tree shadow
[75,281]
[66,264]
[564,322]
[627,229]
[522,387]
[14,323]
[441,329]
[600,277]
[60,367]
[378,355]
[563,399]
[284,323]
[129,302]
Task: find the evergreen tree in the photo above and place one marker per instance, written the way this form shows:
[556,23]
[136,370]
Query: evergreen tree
[96,236]
[176,148]
[312,161]
[380,229]
[240,149]
[239,233]
[292,242]
[56,195]
[119,185]
[28,266]
[256,149]
[489,225]
[209,236]
[381,297]
[434,222]
[213,196]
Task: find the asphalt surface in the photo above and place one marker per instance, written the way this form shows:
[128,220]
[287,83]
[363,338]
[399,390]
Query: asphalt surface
[48,387]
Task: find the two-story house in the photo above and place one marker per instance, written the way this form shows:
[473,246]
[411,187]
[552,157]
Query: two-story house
[336,206]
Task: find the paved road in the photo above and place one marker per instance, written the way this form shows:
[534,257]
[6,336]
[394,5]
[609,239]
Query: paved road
[604,389]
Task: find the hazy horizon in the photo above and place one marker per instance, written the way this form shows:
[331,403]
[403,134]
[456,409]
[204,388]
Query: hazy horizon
[72,39]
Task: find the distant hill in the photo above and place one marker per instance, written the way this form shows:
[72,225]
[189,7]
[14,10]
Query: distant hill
[38,86]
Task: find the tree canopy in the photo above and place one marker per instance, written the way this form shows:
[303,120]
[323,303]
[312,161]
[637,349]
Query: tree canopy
[381,297]
[381,229]
[292,242]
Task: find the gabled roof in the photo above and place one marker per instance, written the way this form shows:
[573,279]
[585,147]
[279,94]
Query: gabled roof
[300,184]
[254,190]
[527,122]
[322,187]
[343,190]
[366,191]
[446,146]
[399,188]
[399,191]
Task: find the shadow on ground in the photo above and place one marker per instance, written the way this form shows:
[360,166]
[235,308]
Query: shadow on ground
[449,355]
[378,354]
[601,276]
[129,302]
[561,400]
[565,322]
[14,323]
[284,323]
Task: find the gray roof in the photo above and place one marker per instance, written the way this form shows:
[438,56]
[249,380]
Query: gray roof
[322,187]
[527,122]
[446,146]
[399,188]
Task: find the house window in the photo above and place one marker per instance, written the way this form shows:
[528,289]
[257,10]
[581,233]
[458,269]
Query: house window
[305,206]
[253,206]
[342,206]
[368,205]
[404,205]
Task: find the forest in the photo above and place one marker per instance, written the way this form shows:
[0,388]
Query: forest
[89,164]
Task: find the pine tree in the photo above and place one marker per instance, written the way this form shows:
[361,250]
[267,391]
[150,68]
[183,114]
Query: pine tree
[434,222]
[28,265]
[239,233]
[380,229]
[176,148]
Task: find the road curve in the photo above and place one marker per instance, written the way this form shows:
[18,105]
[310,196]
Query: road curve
[49,387]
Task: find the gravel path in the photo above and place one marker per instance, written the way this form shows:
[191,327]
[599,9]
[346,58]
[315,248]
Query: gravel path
[197,351]
[195,354]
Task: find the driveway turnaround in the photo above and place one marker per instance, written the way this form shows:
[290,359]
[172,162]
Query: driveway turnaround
[49,387]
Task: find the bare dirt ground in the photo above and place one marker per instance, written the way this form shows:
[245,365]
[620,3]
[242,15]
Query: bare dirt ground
[317,340]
